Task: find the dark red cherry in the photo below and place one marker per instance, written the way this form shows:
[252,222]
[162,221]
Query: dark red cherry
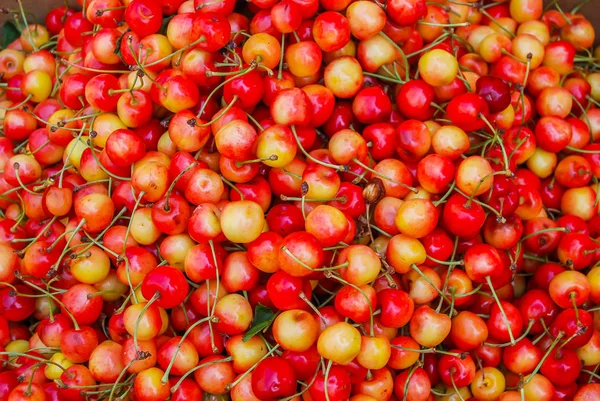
[495,92]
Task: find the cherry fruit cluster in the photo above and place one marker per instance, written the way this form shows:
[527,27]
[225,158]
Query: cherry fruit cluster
[317,200]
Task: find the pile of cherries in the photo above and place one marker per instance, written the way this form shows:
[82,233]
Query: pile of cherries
[318,200]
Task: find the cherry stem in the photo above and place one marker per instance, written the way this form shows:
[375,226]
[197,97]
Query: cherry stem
[517,147]
[554,3]
[472,292]
[433,350]
[82,67]
[413,189]
[95,240]
[140,66]
[380,231]
[304,390]
[416,268]
[520,385]
[154,298]
[303,297]
[42,232]
[446,195]
[127,232]
[482,11]
[55,267]
[172,186]
[404,58]
[300,262]
[280,73]
[310,157]
[522,336]
[296,176]
[456,388]
[592,374]
[273,158]
[481,181]
[33,357]
[495,296]
[29,34]
[446,263]
[330,275]
[225,82]
[68,158]
[247,372]
[543,231]
[253,120]
[67,311]
[500,143]
[121,374]
[410,373]
[482,204]
[383,77]
[232,185]
[23,186]
[292,198]
[572,149]
[436,42]
[21,145]
[160,60]
[576,334]
[165,377]
[218,284]
[221,113]
[202,365]
[93,151]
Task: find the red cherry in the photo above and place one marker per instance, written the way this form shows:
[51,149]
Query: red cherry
[144,17]
[465,111]
[169,283]
[338,385]
[273,378]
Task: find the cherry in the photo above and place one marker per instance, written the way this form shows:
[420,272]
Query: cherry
[188,389]
[465,110]
[274,378]
[73,377]
[574,324]
[99,92]
[561,367]
[414,386]
[575,250]
[288,292]
[456,371]
[74,27]
[17,307]
[143,17]
[552,133]
[396,307]
[407,12]
[537,305]
[305,363]
[331,31]
[414,100]
[81,302]
[333,385]
[170,285]
[351,303]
